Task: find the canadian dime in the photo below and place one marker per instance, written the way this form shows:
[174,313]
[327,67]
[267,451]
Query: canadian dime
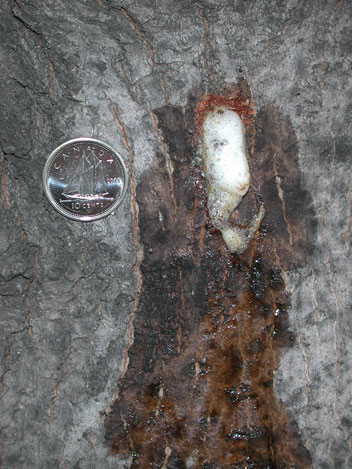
[85,179]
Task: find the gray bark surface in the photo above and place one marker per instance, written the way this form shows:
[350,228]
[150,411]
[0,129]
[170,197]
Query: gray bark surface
[99,68]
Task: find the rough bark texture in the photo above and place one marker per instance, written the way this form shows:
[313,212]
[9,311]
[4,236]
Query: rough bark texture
[137,340]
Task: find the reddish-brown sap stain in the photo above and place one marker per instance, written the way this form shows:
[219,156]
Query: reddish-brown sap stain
[198,392]
[236,98]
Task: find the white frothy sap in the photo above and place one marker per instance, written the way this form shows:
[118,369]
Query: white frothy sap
[227,171]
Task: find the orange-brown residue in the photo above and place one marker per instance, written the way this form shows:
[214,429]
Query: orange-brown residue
[235,100]
[52,78]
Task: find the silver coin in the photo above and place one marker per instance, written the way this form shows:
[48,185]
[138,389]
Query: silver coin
[85,179]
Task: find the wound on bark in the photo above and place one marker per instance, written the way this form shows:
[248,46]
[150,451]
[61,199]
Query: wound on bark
[210,325]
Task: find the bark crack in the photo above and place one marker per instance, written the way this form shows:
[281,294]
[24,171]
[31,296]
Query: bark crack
[138,248]
[58,385]
[141,36]
[207,43]
[281,196]
[52,77]
[24,23]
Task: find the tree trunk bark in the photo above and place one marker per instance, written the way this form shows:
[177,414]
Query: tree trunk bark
[139,340]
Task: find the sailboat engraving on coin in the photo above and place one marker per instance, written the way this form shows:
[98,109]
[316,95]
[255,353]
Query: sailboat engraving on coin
[87,182]
[85,179]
